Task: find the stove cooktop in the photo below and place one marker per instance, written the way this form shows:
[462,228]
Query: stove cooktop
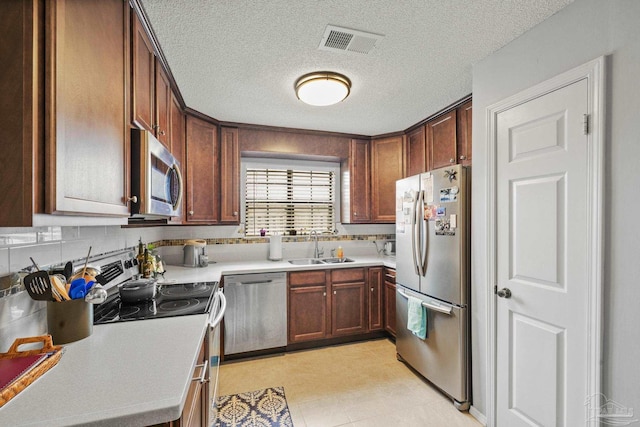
[171,300]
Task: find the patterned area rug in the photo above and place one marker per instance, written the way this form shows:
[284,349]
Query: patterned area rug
[260,408]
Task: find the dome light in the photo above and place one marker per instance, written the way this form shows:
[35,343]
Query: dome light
[322,88]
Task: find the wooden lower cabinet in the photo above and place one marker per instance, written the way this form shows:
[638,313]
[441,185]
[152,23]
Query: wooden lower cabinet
[196,408]
[348,305]
[374,299]
[390,301]
[334,303]
[307,313]
[308,304]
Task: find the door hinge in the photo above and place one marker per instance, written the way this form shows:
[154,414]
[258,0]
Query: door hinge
[585,124]
[495,289]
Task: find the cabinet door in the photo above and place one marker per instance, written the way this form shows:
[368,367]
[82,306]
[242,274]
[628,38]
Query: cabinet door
[307,313]
[177,129]
[196,407]
[229,176]
[348,309]
[416,152]
[143,77]
[464,133]
[441,140]
[21,75]
[390,301]
[374,300]
[163,106]
[360,189]
[202,172]
[387,166]
[87,117]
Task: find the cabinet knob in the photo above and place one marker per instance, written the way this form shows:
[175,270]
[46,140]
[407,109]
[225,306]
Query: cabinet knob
[334,292]
[463,157]
[452,160]
[190,212]
[324,294]
[235,213]
[161,132]
[355,214]
[132,199]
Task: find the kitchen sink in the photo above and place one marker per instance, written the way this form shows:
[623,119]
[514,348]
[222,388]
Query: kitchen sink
[305,261]
[336,260]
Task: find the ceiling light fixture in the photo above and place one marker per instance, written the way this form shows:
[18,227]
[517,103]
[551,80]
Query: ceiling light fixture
[322,88]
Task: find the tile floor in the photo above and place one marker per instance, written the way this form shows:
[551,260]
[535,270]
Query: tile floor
[360,384]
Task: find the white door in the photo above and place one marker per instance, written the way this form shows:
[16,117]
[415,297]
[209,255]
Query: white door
[542,168]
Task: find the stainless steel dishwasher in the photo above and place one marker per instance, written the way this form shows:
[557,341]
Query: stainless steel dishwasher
[256,316]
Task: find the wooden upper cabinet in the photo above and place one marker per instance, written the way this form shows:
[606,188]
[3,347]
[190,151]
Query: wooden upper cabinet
[229,176]
[387,166]
[87,117]
[202,177]
[441,140]
[163,105]
[359,181]
[143,77]
[464,133]
[20,149]
[416,152]
[177,132]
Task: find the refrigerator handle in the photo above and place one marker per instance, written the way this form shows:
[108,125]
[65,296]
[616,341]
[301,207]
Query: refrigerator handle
[414,231]
[418,217]
[424,236]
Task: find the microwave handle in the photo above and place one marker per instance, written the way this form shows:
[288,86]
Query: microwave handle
[181,184]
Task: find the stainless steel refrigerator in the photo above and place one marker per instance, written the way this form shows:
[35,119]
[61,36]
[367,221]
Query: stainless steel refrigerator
[432,264]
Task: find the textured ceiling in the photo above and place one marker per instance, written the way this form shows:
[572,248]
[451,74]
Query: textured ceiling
[237,60]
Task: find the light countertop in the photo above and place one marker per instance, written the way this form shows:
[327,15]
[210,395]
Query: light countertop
[215,271]
[134,373]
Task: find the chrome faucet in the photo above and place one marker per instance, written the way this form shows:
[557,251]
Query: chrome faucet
[317,253]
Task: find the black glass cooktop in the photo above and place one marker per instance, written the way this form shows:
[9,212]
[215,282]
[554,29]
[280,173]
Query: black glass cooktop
[170,300]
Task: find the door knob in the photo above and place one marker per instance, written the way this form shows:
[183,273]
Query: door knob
[504,293]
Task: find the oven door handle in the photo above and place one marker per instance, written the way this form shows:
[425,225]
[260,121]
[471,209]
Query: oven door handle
[223,307]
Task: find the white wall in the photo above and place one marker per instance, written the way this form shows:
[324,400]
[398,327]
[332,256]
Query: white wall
[577,34]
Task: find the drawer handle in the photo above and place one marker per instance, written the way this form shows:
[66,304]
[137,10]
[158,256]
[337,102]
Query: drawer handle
[202,378]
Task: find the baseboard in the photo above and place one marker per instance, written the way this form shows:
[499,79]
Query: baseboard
[478,415]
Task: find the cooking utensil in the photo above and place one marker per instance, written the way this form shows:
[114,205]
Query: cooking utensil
[96,295]
[58,286]
[137,290]
[68,270]
[39,286]
[79,288]
[86,261]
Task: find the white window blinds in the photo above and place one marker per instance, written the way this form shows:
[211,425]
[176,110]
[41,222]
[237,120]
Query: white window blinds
[279,200]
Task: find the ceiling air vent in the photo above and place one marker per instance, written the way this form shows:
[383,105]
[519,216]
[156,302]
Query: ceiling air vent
[338,39]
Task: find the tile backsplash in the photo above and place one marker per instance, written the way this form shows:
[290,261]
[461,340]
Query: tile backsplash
[21,316]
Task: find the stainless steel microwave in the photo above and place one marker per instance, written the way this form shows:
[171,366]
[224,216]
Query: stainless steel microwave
[156,179]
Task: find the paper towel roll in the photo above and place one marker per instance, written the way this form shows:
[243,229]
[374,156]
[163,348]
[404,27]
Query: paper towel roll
[275,248]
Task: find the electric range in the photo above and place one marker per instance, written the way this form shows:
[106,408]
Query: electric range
[171,300]
[180,299]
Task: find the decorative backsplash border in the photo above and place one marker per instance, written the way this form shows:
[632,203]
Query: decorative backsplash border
[285,239]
